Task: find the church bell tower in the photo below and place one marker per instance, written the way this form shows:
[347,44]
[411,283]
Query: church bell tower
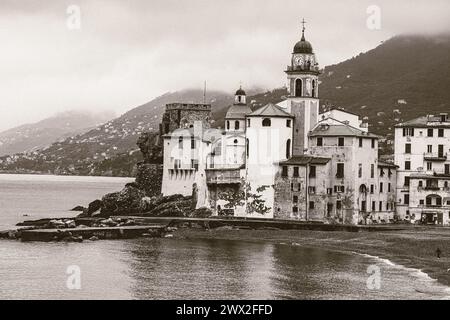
[303,86]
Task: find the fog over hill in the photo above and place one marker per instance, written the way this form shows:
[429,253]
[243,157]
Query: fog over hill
[408,73]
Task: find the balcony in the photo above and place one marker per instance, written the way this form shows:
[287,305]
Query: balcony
[432,188]
[430,156]
[223,176]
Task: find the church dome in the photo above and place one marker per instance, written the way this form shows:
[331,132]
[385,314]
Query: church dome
[240,92]
[303,46]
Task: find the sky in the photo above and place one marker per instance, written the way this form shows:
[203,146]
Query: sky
[98,55]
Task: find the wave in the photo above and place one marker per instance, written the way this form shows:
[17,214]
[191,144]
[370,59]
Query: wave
[433,286]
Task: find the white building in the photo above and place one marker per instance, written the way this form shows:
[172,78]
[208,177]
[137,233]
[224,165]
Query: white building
[422,148]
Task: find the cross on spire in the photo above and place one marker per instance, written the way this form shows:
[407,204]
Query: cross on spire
[303,29]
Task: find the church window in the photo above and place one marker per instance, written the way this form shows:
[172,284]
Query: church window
[313,88]
[284,172]
[266,122]
[248,123]
[288,148]
[319,141]
[248,147]
[236,125]
[298,87]
[228,125]
[192,143]
[180,143]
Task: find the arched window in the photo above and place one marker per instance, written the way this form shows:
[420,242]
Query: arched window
[180,142]
[228,125]
[298,88]
[239,98]
[288,148]
[314,88]
[266,122]
[236,125]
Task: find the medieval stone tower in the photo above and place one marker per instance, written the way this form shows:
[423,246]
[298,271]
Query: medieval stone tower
[303,86]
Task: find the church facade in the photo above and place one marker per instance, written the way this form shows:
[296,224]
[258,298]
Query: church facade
[282,161]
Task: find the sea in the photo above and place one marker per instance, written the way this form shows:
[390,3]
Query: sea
[171,268]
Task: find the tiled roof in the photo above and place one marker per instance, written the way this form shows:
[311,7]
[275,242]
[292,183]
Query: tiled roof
[305,159]
[270,110]
[425,121]
[238,112]
[340,130]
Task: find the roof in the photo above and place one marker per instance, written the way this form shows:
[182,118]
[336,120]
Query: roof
[304,160]
[341,130]
[270,110]
[240,92]
[238,111]
[425,121]
[386,164]
[303,46]
[343,110]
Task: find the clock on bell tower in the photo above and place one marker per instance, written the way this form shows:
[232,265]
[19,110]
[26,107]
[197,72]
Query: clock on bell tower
[303,86]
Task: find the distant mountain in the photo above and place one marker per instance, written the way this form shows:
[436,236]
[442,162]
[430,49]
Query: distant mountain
[408,73]
[110,148]
[34,136]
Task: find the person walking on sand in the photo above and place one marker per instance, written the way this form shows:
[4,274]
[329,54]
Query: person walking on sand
[438,253]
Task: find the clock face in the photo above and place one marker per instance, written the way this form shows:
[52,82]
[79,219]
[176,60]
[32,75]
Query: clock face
[299,60]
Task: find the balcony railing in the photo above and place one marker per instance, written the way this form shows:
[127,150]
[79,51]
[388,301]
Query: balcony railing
[438,156]
[223,176]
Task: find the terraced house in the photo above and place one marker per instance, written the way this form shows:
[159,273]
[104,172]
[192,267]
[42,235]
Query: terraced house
[422,148]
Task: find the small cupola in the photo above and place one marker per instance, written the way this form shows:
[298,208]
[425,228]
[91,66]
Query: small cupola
[240,97]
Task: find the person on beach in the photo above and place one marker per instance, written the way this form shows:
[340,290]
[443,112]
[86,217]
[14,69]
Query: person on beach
[438,253]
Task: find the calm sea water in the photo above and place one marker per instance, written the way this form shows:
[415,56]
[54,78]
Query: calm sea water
[178,269]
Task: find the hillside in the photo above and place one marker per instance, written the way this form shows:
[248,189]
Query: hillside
[110,148]
[408,73]
[34,136]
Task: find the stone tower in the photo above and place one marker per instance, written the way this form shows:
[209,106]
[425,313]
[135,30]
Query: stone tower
[183,116]
[303,86]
